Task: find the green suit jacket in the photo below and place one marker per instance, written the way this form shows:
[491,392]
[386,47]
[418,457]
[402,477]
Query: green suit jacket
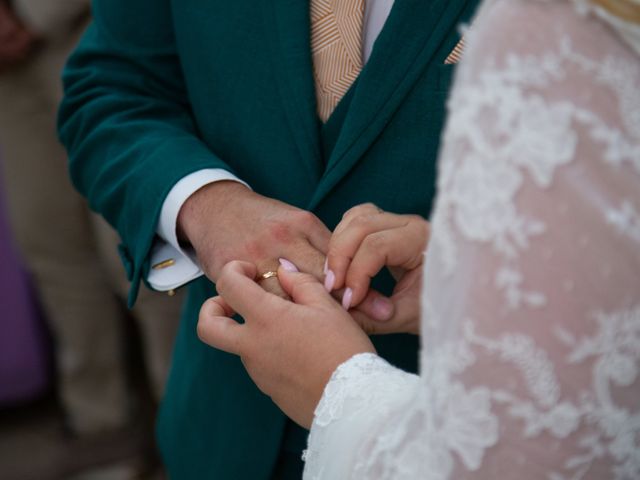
[159,89]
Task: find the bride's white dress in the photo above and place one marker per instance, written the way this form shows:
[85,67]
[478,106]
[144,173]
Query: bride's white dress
[530,362]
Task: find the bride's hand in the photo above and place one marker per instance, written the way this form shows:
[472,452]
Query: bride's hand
[366,240]
[289,349]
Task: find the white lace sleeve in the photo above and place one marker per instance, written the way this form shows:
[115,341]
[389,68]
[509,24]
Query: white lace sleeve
[531,301]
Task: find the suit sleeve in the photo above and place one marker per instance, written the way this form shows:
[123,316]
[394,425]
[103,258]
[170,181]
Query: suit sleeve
[127,123]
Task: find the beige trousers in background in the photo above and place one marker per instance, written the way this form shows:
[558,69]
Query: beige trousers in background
[71,254]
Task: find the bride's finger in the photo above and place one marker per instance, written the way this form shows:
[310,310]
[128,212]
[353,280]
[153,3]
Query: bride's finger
[345,243]
[239,289]
[376,306]
[216,329]
[399,247]
[358,210]
[303,288]
[405,318]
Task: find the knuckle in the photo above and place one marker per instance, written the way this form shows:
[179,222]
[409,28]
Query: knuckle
[369,206]
[305,218]
[366,207]
[348,213]
[359,210]
[361,221]
[376,243]
[352,212]
[364,224]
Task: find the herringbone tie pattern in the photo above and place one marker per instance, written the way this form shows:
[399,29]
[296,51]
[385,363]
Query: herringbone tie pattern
[336,45]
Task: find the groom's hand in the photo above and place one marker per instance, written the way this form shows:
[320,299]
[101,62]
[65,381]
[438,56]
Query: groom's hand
[226,221]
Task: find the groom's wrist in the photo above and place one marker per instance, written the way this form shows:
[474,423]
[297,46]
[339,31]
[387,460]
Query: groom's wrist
[203,207]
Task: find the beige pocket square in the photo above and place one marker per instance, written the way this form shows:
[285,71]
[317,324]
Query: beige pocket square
[456,53]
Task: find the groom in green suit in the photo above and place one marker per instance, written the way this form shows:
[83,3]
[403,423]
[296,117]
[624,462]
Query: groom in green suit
[198,129]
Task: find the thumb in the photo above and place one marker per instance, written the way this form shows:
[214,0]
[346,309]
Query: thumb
[303,288]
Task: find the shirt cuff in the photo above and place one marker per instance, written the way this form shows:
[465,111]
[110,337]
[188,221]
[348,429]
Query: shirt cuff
[173,266]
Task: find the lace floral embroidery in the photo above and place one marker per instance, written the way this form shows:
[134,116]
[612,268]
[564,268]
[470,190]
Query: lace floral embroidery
[528,134]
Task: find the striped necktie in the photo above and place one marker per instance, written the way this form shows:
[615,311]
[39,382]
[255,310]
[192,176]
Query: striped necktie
[336,47]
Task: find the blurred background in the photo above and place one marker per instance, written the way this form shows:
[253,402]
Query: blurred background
[80,375]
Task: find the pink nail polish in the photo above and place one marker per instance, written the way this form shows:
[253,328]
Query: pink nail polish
[346,298]
[287,265]
[329,281]
[326,266]
[382,308]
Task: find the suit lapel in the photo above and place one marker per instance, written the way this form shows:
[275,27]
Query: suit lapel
[411,36]
[289,31]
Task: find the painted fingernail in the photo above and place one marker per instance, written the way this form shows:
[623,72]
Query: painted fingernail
[325,269]
[346,298]
[329,280]
[287,265]
[382,308]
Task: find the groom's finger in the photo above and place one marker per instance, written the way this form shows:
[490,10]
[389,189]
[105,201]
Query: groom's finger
[305,255]
[216,329]
[307,258]
[237,285]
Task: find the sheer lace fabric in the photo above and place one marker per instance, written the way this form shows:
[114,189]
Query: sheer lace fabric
[530,363]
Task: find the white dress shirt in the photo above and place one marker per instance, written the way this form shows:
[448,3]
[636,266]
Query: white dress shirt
[182,265]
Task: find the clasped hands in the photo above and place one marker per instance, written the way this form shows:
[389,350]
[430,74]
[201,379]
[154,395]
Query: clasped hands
[300,326]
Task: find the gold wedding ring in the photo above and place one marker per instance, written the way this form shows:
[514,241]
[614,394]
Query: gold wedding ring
[269,274]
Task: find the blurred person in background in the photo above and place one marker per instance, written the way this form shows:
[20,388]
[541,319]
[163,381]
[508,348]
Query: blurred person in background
[71,255]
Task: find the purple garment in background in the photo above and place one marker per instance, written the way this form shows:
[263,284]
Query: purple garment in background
[24,356]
